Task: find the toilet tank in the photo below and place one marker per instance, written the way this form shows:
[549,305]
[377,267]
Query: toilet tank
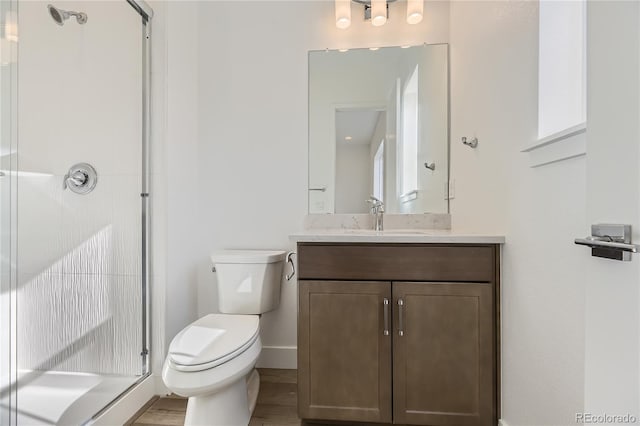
[248,280]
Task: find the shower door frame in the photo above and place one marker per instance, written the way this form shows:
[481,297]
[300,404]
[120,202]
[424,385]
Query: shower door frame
[146,13]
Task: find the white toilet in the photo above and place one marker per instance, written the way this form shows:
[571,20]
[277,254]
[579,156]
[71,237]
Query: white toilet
[212,360]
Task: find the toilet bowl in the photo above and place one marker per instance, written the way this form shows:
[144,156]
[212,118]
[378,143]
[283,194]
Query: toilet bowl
[212,360]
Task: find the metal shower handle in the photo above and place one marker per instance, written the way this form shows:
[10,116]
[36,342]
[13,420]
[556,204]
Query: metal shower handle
[81,178]
[77,178]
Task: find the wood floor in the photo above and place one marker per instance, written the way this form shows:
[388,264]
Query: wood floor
[277,404]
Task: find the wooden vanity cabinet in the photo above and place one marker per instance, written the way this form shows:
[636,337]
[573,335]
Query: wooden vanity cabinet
[437,365]
[347,373]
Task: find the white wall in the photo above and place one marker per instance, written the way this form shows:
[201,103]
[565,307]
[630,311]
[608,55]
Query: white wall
[184,189]
[540,210]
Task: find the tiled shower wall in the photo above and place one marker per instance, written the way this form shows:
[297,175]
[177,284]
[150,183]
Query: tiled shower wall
[79,256]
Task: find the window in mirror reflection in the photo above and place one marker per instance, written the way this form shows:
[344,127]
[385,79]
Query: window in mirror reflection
[408,146]
[378,172]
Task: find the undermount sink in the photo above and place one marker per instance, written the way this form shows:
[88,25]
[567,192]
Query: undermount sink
[386,232]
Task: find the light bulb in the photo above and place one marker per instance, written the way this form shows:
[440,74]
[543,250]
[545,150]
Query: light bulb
[414,11]
[11,26]
[378,12]
[343,14]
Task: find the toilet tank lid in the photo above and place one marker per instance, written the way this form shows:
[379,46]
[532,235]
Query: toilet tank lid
[247,256]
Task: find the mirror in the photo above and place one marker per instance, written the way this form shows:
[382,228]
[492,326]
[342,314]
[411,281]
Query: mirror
[379,125]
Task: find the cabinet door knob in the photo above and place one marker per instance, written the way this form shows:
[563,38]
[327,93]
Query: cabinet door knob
[400,327]
[385,305]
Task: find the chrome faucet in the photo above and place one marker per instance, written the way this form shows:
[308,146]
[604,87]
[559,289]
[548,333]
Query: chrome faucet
[377,209]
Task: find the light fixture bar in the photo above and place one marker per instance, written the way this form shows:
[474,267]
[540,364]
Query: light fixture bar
[377,11]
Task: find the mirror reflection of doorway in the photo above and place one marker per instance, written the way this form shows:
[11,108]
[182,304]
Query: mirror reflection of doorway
[359,158]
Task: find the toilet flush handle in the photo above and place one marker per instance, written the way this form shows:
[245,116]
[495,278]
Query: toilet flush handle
[293,266]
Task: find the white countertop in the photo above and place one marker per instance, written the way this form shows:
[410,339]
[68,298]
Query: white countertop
[417,236]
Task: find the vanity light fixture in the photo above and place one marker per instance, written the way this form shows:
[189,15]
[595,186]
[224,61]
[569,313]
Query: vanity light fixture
[348,138]
[377,11]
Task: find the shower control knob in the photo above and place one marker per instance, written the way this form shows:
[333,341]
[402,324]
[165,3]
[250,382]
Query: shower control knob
[78,178]
[81,178]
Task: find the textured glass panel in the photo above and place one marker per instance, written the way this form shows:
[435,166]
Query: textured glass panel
[83,323]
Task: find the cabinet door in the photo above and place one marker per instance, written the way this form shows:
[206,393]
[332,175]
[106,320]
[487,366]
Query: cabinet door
[344,356]
[443,354]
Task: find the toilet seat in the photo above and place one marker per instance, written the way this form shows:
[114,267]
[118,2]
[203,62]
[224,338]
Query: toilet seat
[212,340]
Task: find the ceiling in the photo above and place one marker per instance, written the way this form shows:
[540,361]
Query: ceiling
[359,124]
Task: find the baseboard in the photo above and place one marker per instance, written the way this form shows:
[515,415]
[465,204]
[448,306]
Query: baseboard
[161,388]
[127,405]
[278,357]
[502,423]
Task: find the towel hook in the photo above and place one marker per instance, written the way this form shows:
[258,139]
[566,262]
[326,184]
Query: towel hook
[472,143]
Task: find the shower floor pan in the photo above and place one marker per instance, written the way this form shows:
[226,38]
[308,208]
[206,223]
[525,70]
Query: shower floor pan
[64,398]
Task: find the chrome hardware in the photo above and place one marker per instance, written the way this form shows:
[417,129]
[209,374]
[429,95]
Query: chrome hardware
[385,304]
[78,178]
[472,143]
[367,8]
[400,308]
[377,209]
[611,241]
[293,266]
[430,166]
[321,189]
[59,15]
[81,178]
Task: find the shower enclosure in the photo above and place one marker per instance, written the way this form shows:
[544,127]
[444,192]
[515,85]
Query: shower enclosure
[74,120]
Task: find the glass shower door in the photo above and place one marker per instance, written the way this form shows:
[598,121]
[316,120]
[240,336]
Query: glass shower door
[78,300]
[8,147]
